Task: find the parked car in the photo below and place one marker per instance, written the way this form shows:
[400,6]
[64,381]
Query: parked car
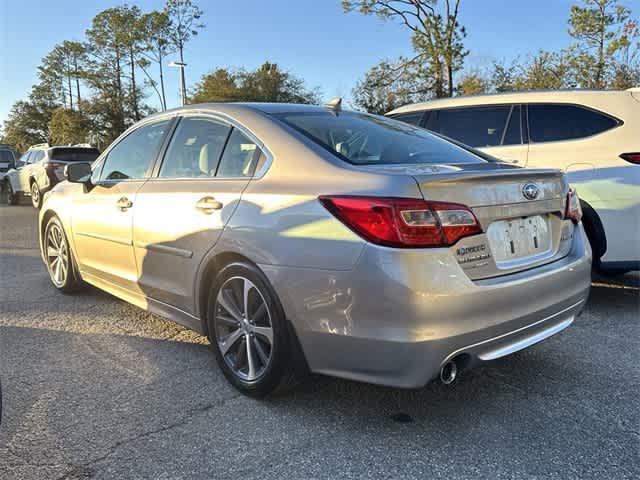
[591,135]
[42,167]
[300,236]
[7,160]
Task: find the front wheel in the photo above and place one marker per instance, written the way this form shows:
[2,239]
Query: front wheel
[248,331]
[59,258]
[36,196]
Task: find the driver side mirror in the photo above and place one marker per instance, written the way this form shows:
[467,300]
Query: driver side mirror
[78,173]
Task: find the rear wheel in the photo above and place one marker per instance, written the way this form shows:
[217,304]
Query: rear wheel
[248,331]
[595,233]
[36,196]
[59,258]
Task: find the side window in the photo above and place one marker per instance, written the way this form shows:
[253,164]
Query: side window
[551,123]
[195,148]
[36,156]
[132,156]
[474,126]
[413,118]
[513,133]
[24,159]
[239,156]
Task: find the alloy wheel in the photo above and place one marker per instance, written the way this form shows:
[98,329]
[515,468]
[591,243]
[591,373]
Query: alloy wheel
[35,194]
[57,255]
[243,326]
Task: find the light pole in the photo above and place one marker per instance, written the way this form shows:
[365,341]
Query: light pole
[183,88]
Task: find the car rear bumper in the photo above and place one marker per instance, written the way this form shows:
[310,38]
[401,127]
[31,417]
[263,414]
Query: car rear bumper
[399,315]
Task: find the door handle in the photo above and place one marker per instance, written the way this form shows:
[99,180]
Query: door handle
[208,205]
[124,204]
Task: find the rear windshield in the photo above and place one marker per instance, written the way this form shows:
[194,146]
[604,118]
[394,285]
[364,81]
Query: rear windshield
[6,156]
[74,154]
[363,139]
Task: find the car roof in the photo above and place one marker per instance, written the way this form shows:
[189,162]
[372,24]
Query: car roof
[559,96]
[245,107]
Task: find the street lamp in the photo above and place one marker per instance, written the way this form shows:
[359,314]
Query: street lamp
[183,88]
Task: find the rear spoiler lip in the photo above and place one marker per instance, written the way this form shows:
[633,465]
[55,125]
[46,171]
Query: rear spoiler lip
[530,174]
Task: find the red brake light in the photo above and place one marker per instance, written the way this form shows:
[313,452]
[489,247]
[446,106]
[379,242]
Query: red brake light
[574,210]
[403,222]
[53,164]
[633,157]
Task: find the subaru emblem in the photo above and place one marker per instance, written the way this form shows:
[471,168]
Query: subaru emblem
[530,191]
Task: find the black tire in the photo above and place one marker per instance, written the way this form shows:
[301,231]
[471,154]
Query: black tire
[595,234]
[284,365]
[71,282]
[11,197]
[36,195]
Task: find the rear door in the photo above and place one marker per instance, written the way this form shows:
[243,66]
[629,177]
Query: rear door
[29,169]
[181,212]
[102,218]
[582,142]
[495,129]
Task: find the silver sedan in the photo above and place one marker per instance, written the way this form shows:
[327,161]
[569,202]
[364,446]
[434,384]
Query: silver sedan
[304,238]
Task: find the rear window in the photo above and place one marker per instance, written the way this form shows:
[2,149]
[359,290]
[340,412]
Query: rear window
[6,156]
[74,154]
[363,139]
[552,123]
[414,118]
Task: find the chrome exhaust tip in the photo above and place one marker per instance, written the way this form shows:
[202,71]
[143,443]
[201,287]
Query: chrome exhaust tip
[448,372]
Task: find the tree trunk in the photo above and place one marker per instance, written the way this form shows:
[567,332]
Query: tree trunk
[70,90]
[439,80]
[164,98]
[77,75]
[134,91]
[120,107]
[450,78]
[600,66]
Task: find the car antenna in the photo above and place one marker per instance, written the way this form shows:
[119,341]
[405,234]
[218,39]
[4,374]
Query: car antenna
[334,104]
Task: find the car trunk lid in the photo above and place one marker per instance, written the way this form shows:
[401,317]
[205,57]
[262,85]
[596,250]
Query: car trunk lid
[520,211]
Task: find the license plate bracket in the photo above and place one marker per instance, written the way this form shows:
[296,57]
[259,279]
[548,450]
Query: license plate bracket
[517,240]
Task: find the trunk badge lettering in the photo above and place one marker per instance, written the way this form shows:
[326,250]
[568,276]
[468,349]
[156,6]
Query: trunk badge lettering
[474,253]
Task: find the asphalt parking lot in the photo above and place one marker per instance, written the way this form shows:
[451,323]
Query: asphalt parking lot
[96,388]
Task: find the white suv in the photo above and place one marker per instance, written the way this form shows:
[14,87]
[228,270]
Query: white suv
[594,136]
[41,168]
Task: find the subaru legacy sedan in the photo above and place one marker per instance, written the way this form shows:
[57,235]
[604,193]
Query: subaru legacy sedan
[302,237]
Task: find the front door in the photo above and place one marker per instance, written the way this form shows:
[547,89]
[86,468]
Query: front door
[181,213]
[102,218]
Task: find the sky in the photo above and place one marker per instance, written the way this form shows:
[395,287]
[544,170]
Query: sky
[313,39]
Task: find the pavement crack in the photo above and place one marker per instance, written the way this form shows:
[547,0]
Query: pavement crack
[90,466]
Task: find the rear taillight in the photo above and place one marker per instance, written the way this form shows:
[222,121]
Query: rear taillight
[53,165]
[632,157]
[403,222]
[574,210]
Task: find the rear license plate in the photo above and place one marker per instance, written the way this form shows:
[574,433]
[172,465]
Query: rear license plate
[519,238]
